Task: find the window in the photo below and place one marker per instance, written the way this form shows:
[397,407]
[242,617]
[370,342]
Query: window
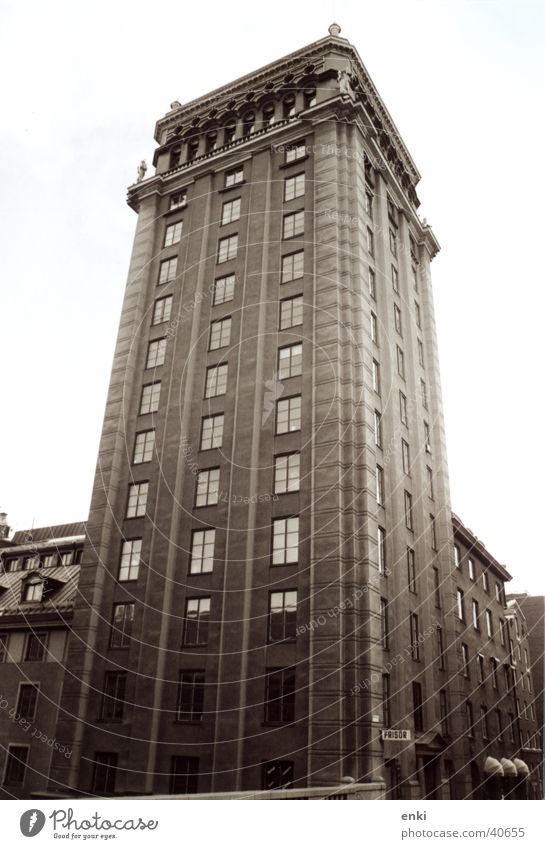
[292,266]
[233,178]
[268,115]
[418,709]
[207,487]
[494,672]
[437,587]
[227,248]
[149,402]
[370,242]
[16,764]
[433,532]
[480,668]
[216,381]
[512,727]
[465,660]
[502,632]
[460,605]
[190,696]
[475,614]
[287,473]
[372,284]
[167,271]
[378,429]
[162,310]
[178,200]
[408,510]
[202,551]
[35,646]
[424,394]
[443,711]
[136,502]
[230,211]
[397,319]
[429,474]
[156,353]
[420,352]
[197,618]
[379,479]
[386,701]
[26,701]
[288,414]
[220,334]
[282,615]
[403,409]
[400,362]
[224,289]
[285,541]
[376,376]
[384,624]
[374,328]
[393,243]
[405,456]
[122,619]
[144,444]
[293,224]
[173,234]
[411,570]
[33,590]
[310,97]
[295,152]
[277,775]
[11,564]
[499,594]
[427,438]
[489,624]
[381,551]
[469,719]
[457,556]
[291,312]
[484,722]
[113,696]
[369,204]
[104,773]
[130,559]
[414,274]
[184,775]
[294,187]
[395,279]
[280,695]
[212,432]
[290,361]
[415,633]
[485,580]
[288,106]
[4,639]
[499,723]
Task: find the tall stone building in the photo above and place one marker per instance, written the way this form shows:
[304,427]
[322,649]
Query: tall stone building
[266,585]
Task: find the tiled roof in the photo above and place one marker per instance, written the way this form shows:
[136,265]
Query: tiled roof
[62,599]
[74,529]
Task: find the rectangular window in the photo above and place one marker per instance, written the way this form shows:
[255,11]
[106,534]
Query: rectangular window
[277,775]
[369,204]
[460,605]
[484,577]
[429,474]
[233,178]
[295,152]
[502,632]
[379,478]
[104,773]
[16,764]
[440,647]
[212,432]
[121,630]
[411,570]
[386,701]
[408,510]
[33,590]
[393,243]
[420,353]
[113,696]
[378,429]
[285,541]
[457,556]
[384,624]
[475,614]
[224,289]
[469,719]
[288,414]
[418,707]
[405,456]
[381,551]
[144,444]
[403,409]
[417,314]
[190,696]
[480,668]
[465,660]
[207,491]
[184,775]
[372,284]
[294,187]
[129,564]
[178,200]
[27,700]
[227,248]
[293,224]
[35,647]
[280,695]
[499,723]
[167,271]
[137,499]
[282,615]
[400,362]
[489,625]
[173,234]
[374,328]
[376,376]
[395,279]
[149,402]
[216,381]
[291,312]
[370,242]
[424,392]
[4,639]
[230,211]
[484,722]
[437,587]
[433,532]
[443,711]
[415,633]
[397,319]
[287,473]
[196,620]
[220,334]
[427,438]
[290,361]
[414,274]
[292,267]
[494,672]
[202,551]
[162,310]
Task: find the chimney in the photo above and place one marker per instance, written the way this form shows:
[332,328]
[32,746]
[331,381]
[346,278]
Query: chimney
[4,527]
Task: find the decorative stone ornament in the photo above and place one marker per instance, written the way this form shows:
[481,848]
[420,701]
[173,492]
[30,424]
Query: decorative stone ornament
[142,168]
[334,29]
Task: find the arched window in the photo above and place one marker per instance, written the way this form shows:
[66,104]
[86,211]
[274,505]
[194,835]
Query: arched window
[211,140]
[268,115]
[288,106]
[229,132]
[192,149]
[310,97]
[175,156]
[248,125]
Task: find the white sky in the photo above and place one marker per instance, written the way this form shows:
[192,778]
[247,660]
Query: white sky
[83,84]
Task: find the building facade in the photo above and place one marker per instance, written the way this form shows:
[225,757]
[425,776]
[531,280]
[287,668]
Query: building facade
[38,582]
[533,609]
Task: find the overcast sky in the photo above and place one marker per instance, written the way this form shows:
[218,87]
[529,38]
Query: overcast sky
[83,84]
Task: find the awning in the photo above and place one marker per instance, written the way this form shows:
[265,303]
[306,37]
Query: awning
[493,767]
[522,768]
[509,767]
